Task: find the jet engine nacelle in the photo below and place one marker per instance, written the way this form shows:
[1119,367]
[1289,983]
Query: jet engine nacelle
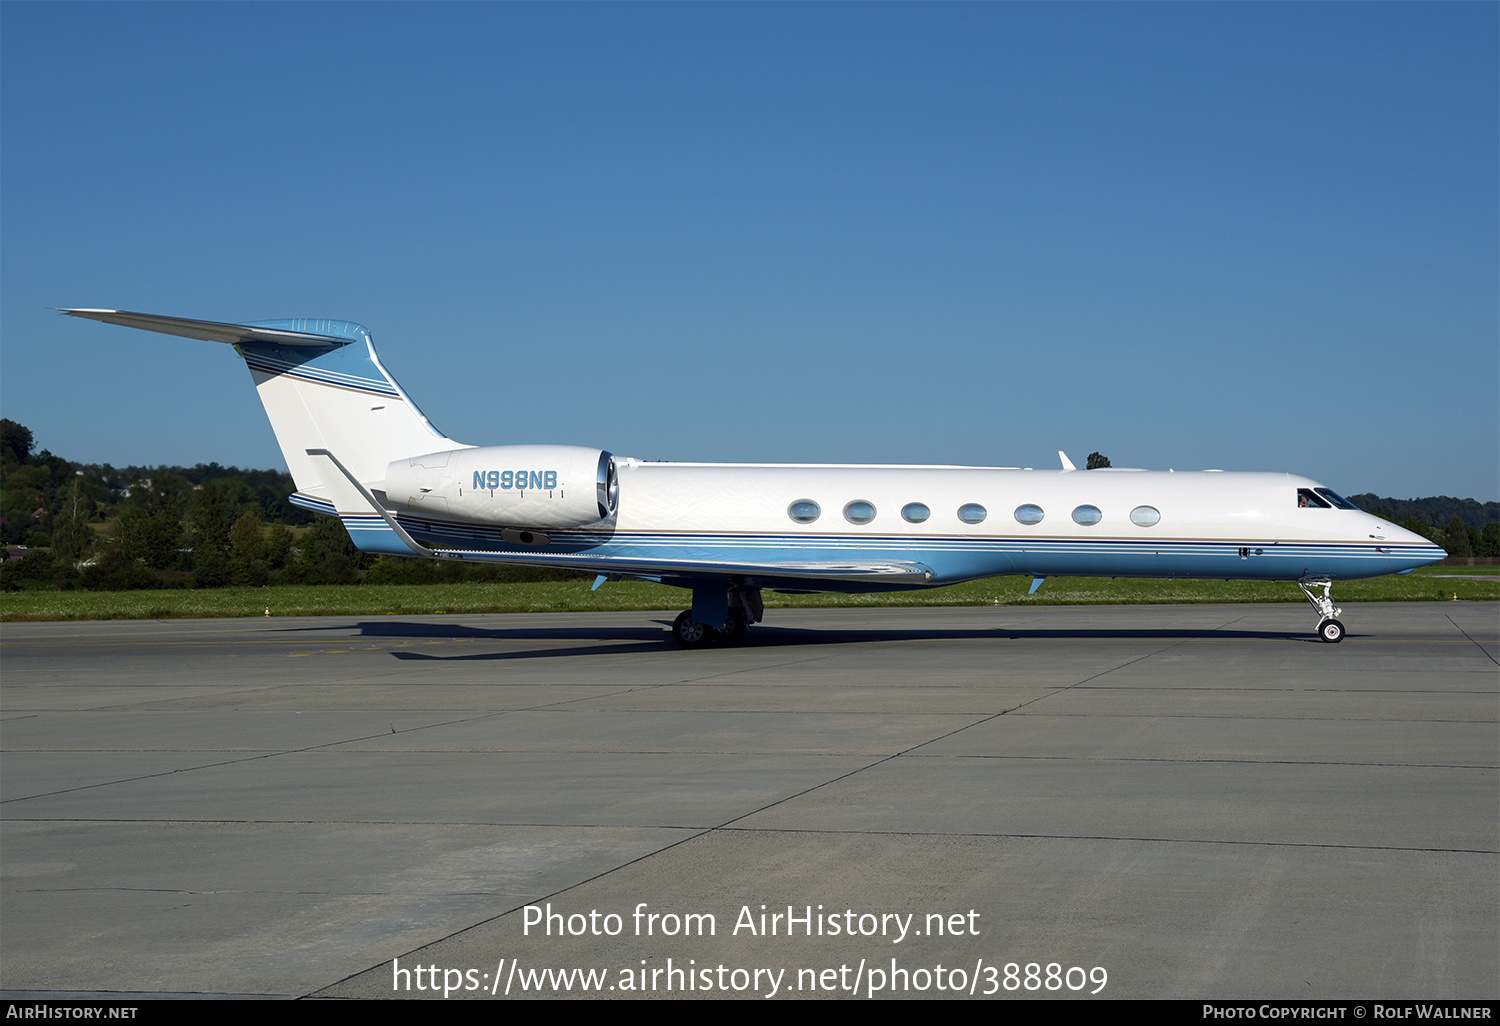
[521,486]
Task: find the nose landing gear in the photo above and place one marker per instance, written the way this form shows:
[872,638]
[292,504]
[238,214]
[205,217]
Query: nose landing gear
[1330,629]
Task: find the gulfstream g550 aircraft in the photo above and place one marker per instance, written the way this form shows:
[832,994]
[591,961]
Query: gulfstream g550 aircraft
[359,449]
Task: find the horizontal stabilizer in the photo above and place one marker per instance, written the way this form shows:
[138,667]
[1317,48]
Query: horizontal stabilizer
[211,331]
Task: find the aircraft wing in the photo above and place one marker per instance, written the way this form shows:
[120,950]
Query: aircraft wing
[866,571]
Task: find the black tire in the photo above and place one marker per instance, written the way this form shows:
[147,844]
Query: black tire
[689,633]
[734,629]
[1331,631]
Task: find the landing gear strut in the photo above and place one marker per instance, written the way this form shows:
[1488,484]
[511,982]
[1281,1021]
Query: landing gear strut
[1329,627]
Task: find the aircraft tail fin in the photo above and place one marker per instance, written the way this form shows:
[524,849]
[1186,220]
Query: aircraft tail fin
[323,388]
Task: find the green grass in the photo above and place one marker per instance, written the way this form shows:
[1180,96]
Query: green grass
[568,596]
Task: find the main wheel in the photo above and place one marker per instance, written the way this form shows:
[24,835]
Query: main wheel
[734,629]
[1331,631]
[689,633]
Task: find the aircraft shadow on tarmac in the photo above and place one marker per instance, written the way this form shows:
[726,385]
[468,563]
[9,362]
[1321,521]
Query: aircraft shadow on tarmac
[604,640]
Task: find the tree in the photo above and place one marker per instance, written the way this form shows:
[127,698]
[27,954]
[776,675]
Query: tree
[1097,460]
[149,527]
[217,506]
[247,549]
[15,442]
[278,545]
[71,537]
[1456,538]
[328,555]
[1489,540]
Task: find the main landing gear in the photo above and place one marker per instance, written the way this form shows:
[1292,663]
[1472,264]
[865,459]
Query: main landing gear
[741,610]
[689,633]
[1329,627]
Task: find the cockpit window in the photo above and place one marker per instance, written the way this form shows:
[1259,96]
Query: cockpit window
[1337,499]
[1308,499]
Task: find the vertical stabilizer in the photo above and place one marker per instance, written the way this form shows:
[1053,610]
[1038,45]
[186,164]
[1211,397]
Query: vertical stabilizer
[323,387]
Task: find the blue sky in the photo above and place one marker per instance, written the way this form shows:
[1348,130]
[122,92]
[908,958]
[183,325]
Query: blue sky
[1246,236]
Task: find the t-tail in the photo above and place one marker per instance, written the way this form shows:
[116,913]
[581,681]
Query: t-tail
[323,388]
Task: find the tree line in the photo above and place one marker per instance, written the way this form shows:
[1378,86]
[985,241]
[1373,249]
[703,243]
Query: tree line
[1462,526]
[99,527]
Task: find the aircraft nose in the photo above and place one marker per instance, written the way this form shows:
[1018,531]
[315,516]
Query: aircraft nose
[1405,537]
[1421,549]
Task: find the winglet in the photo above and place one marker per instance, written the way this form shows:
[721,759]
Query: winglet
[1067,463]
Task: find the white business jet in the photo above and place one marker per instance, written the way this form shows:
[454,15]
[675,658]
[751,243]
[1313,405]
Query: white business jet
[359,449]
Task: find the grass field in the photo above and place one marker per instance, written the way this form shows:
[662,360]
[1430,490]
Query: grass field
[564,596]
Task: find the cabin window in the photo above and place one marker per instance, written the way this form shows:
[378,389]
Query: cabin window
[1087,516]
[1337,499]
[915,513]
[1307,499]
[804,511]
[859,512]
[1029,514]
[1145,516]
[972,513]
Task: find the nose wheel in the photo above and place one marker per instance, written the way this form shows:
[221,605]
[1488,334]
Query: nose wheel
[1329,627]
[1331,631]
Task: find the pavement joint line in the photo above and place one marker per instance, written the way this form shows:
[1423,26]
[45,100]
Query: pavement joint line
[1466,634]
[748,752]
[248,758]
[701,830]
[697,832]
[1220,761]
[1316,845]
[1059,690]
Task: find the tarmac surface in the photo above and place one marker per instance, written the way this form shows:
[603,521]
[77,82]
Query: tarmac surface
[1151,801]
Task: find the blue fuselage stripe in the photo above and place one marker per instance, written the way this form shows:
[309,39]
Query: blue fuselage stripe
[964,558]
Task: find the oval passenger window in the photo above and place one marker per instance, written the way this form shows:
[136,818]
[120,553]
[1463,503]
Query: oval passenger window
[915,512]
[804,511]
[972,513]
[1087,516]
[1029,514]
